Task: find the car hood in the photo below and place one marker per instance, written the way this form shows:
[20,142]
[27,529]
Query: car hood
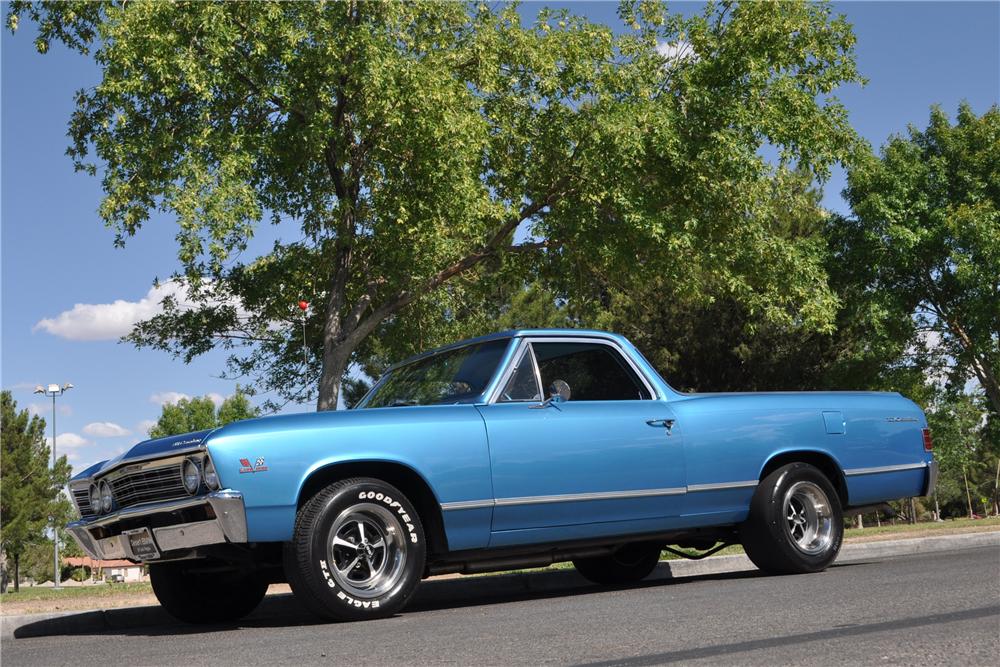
[149,449]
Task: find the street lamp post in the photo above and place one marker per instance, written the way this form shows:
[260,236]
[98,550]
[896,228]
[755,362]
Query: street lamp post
[54,390]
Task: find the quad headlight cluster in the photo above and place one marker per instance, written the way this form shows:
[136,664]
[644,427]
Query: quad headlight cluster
[194,475]
[101,498]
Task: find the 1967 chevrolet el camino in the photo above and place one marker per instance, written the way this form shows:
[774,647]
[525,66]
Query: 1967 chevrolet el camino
[517,449]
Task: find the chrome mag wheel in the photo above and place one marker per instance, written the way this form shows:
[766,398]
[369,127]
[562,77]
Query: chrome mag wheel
[367,550]
[808,517]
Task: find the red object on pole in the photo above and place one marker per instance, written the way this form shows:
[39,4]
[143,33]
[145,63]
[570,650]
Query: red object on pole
[304,305]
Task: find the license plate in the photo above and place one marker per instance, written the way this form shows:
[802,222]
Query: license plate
[142,545]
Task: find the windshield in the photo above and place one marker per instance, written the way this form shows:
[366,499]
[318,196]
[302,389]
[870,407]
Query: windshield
[455,376]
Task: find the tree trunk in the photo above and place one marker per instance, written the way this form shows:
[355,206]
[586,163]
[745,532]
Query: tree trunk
[859,521]
[968,496]
[335,361]
[996,491]
[17,572]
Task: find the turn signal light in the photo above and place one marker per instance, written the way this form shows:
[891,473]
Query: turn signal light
[928,441]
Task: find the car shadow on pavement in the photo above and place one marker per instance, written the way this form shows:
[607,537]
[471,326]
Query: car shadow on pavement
[285,611]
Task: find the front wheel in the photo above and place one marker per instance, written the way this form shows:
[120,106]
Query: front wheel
[796,524]
[194,592]
[627,565]
[357,552]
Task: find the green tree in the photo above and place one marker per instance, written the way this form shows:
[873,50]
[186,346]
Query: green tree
[926,219]
[29,490]
[415,151]
[956,420]
[200,414]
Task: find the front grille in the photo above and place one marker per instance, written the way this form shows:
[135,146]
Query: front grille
[149,485]
[82,498]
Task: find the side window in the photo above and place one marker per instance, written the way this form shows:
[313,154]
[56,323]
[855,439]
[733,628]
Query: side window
[594,372]
[523,385]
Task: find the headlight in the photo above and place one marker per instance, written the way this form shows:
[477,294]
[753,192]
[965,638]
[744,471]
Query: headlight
[106,498]
[211,477]
[191,475]
[95,499]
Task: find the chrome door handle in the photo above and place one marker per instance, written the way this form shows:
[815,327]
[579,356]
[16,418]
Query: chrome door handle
[665,423]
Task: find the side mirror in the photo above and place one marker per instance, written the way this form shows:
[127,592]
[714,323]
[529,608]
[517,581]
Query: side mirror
[559,391]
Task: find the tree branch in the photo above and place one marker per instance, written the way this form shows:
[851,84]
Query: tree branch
[492,246]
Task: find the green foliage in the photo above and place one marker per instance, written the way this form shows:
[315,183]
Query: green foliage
[927,224]
[29,490]
[417,152]
[200,414]
[967,455]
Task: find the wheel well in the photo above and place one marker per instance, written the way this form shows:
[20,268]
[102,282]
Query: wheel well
[819,460]
[402,477]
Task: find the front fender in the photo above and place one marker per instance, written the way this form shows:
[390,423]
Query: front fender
[445,445]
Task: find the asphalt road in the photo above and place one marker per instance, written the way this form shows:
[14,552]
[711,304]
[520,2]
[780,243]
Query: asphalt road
[941,608]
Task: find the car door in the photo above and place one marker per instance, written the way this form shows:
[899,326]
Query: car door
[604,456]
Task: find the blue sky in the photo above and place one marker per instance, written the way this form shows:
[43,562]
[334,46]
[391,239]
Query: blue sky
[56,253]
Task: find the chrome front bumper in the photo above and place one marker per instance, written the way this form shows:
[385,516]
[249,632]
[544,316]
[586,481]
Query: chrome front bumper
[228,525]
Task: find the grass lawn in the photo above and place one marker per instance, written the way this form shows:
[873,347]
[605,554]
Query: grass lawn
[927,526]
[33,593]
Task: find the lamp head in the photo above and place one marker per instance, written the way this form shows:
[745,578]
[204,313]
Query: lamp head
[39,389]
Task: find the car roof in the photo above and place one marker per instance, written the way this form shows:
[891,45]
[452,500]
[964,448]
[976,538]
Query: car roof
[511,333]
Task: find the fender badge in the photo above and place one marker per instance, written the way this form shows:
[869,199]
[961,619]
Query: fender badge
[896,420]
[258,465]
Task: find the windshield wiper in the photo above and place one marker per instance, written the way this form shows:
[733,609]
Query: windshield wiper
[398,402]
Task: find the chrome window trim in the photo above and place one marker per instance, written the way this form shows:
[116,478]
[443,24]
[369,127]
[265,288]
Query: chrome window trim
[529,340]
[564,498]
[524,350]
[508,373]
[879,469]
[722,486]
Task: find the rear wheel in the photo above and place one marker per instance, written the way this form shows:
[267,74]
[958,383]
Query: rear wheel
[193,593]
[629,564]
[357,551]
[796,523]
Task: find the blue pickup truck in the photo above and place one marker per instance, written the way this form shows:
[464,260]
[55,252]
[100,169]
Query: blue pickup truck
[514,450]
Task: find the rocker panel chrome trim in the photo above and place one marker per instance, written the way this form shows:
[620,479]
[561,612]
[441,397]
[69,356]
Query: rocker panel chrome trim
[879,469]
[722,486]
[563,498]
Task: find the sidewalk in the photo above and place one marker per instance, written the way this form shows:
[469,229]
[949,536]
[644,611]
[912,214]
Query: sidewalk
[445,592]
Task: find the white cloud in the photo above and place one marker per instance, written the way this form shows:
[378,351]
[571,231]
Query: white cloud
[44,410]
[106,430]
[111,321]
[145,426]
[216,398]
[674,52]
[67,441]
[165,397]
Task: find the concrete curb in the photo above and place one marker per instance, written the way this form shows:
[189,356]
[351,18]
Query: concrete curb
[464,591]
